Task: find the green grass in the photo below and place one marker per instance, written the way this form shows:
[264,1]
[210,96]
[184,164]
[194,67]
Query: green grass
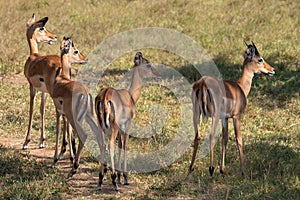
[270,125]
[22,177]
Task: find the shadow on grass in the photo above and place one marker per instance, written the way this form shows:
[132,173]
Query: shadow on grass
[19,166]
[114,71]
[272,172]
[21,177]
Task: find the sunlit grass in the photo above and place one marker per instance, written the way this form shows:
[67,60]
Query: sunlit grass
[270,124]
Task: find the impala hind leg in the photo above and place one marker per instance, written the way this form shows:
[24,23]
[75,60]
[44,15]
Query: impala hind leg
[31,109]
[224,143]
[42,111]
[77,159]
[103,168]
[82,138]
[212,143]
[195,149]
[112,152]
[196,121]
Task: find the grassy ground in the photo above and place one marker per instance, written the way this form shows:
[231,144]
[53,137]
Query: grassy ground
[270,126]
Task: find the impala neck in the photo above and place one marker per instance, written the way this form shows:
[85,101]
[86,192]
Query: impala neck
[246,79]
[136,85]
[33,46]
[66,66]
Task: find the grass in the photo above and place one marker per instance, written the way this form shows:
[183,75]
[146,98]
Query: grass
[270,125]
[22,177]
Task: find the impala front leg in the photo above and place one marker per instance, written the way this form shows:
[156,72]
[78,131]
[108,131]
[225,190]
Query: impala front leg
[125,173]
[31,108]
[72,144]
[58,128]
[239,141]
[42,111]
[64,141]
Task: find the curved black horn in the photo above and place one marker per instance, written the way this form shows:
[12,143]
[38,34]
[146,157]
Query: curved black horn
[246,43]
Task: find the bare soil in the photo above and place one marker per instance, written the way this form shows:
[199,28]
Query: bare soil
[84,182]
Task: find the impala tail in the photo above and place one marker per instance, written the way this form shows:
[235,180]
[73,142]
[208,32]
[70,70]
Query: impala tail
[104,108]
[202,100]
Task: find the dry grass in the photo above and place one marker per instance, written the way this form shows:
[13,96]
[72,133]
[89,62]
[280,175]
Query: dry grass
[270,124]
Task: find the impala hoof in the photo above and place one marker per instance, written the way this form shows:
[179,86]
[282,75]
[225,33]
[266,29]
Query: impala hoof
[191,169]
[116,188]
[119,178]
[25,147]
[211,170]
[113,178]
[99,187]
[125,175]
[53,165]
[71,173]
[42,146]
[222,171]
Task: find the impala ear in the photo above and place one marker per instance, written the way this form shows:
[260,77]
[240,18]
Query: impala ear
[30,21]
[66,45]
[256,51]
[138,59]
[249,53]
[42,21]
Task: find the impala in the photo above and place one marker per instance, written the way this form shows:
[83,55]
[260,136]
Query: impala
[223,100]
[115,108]
[73,99]
[40,72]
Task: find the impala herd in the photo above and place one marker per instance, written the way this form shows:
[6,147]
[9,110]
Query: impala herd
[116,107]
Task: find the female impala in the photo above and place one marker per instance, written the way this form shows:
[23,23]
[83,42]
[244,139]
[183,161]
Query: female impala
[226,99]
[39,70]
[72,98]
[115,108]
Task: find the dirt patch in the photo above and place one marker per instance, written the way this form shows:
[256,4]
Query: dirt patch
[84,182]
[14,78]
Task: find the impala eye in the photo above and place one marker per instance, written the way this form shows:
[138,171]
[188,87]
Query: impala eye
[76,52]
[260,60]
[42,29]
